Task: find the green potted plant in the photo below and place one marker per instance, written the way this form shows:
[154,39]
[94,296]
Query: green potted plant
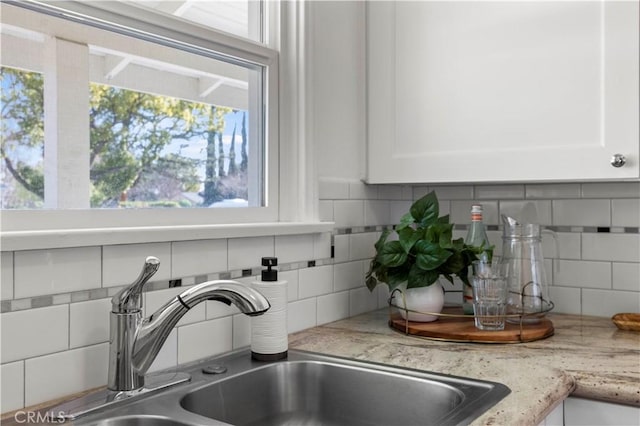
[415,254]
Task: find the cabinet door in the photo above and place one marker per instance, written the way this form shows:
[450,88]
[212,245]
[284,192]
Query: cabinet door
[583,412]
[502,91]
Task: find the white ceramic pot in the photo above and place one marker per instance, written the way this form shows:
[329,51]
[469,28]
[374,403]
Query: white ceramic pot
[422,299]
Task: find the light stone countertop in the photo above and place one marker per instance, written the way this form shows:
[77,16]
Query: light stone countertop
[586,357]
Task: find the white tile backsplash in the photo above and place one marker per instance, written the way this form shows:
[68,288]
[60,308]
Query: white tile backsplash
[611,247]
[566,300]
[12,391]
[333,307]
[292,248]
[348,213]
[315,281]
[241,331]
[6,278]
[348,275]
[168,355]
[54,376]
[611,190]
[606,303]
[376,212]
[499,192]
[556,190]
[301,315]
[341,249]
[625,212]
[582,273]
[89,322]
[581,212]
[248,252]
[34,332]
[362,246]
[626,276]
[362,300]
[527,211]
[39,272]
[394,192]
[192,258]
[361,191]
[204,339]
[121,264]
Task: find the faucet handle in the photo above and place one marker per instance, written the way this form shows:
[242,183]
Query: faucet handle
[129,299]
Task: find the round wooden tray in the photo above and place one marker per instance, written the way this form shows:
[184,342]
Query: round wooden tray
[461,328]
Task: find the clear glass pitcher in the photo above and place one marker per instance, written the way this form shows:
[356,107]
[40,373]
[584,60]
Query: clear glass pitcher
[523,265]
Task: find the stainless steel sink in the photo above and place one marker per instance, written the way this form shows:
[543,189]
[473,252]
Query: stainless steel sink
[308,389]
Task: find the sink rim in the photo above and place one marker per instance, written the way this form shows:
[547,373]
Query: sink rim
[480,395]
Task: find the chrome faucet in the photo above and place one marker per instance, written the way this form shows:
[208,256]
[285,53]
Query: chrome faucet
[135,341]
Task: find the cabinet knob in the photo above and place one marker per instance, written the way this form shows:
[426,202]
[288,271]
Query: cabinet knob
[618,160]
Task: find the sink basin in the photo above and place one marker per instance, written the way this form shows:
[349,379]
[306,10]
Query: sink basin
[306,389]
[332,391]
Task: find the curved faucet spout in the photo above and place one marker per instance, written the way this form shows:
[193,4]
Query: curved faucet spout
[146,336]
[154,330]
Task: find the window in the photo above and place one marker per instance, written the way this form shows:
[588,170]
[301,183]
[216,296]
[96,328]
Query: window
[131,110]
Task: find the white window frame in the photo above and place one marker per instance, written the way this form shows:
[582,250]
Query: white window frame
[290,174]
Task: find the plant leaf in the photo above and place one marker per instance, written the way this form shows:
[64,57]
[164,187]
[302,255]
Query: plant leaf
[405,222]
[408,237]
[454,264]
[383,238]
[429,255]
[421,278]
[425,210]
[392,254]
[443,219]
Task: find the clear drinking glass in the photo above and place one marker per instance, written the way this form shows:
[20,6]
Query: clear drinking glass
[490,301]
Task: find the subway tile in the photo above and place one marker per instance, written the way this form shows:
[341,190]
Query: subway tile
[23,333]
[461,212]
[204,339]
[89,322]
[348,275]
[333,307]
[611,247]
[291,277]
[248,252]
[362,246]
[499,192]
[292,248]
[568,245]
[241,331]
[121,264]
[333,189]
[201,257]
[611,190]
[397,209]
[382,294]
[362,300]
[301,315]
[155,299]
[168,355]
[566,300]
[12,390]
[325,210]
[392,192]
[453,192]
[64,373]
[554,190]
[348,213]
[407,192]
[625,212]
[362,191]
[315,281]
[321,245]
[626,276]
[528,211]
[606,303]
[376,212]
[582,273]
[41,272]
[6,279]
[341,248]
[216,309]
[581,212]
[420,191]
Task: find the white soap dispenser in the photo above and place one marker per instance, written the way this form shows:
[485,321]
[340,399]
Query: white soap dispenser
[269,337]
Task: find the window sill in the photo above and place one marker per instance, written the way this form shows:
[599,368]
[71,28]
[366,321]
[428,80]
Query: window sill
[64,238]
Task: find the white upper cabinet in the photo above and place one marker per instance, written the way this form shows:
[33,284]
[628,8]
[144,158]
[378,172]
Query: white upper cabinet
[502,91]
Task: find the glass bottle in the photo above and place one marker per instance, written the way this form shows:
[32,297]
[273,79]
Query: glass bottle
[477,237]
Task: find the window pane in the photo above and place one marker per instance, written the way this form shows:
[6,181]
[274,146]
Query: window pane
[22,133]
[239,17]
[158,151]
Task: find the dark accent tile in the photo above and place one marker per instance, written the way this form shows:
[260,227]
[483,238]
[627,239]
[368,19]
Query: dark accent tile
[333,252]
[5,306]
[175,283]
[631,230]
[247,272]
[311,264]
[225,275]
[41,302]
[603,229]
[201,279]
